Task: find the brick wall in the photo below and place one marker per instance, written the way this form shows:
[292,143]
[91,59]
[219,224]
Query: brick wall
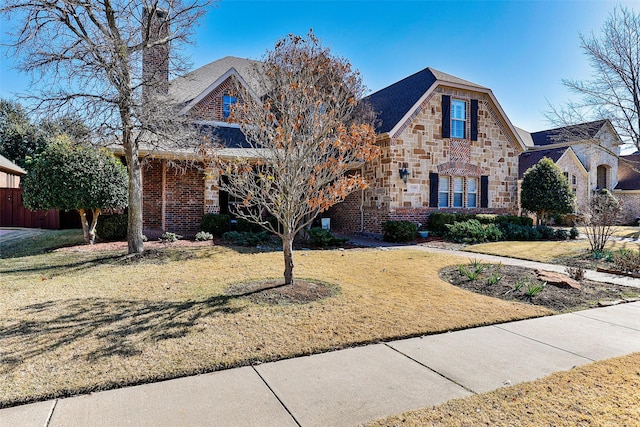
[418,145]
[630,200]
[152,194]
[173,197]
[210,108]
[155,59]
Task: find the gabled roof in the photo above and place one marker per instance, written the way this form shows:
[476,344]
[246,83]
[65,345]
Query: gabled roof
[393,102]
[186,88]
[228,136]
[530,158]
[578,132]
[628,178]
[8,166]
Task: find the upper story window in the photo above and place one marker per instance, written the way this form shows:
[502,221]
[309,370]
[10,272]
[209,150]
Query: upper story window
[458,118]
[227,102]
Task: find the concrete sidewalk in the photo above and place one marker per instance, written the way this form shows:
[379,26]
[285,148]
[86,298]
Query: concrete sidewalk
[348,387]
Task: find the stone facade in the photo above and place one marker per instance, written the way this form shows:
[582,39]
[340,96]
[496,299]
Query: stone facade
[578,179]
[418,145]
[630,200]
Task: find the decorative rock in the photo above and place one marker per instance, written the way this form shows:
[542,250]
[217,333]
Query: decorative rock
[557,279]
[610,303]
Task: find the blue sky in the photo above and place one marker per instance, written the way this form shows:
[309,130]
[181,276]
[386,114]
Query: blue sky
[519,49]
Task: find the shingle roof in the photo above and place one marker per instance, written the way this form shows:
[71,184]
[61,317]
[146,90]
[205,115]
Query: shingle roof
[628,178]
[227,136]
[530,158]
[8,166]
[393,102]
[185,88]
[567,133]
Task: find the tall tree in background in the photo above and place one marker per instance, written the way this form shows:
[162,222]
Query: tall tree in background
[546,191]
[75,177]
[91,55]
[614,91]
[306,134]
[19,137]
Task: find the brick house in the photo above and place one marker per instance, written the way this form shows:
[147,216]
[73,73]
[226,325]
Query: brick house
[628,188]
[447,145]
[10,173]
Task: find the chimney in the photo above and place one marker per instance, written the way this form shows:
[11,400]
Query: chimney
[155,57]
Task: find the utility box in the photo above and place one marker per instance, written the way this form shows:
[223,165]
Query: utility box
[326,223]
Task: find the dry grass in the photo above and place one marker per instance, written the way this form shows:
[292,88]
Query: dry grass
[605,393]
[544,251]
[79,321]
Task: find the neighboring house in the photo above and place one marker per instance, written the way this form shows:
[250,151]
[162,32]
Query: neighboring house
[447,146]
[628,188]
[10,173]
[586,153]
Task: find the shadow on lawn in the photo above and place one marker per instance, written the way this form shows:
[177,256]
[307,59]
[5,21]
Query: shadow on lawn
[101,327]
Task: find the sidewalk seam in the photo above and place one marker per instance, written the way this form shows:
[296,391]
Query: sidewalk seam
[606,321]
[431,369]
[545,343]
[55,403]
[276,396]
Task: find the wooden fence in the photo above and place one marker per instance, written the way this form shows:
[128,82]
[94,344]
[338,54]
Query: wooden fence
[14,214]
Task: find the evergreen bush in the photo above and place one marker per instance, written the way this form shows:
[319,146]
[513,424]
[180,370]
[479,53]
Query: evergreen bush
[399,231]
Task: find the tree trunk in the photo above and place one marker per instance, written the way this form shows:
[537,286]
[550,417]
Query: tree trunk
[94,222]
[287,247]
[85,225]
[134,230]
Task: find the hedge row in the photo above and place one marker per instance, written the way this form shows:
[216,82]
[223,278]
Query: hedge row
[438,221]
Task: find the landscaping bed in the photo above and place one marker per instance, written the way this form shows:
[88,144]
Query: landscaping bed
[512,283]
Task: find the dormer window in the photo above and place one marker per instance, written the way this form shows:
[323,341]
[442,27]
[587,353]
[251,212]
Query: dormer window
[458,118]
[227,102]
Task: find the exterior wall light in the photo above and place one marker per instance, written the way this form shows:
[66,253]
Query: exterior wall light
[404,173]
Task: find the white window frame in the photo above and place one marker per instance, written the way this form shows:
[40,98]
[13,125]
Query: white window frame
[472,192]
[442,190]
[227,102]
[457,189]
[458,118]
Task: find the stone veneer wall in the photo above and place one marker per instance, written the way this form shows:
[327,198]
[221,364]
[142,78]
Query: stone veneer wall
[581,189]
[630,200]
[419,145]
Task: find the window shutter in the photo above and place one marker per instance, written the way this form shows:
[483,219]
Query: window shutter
[484,191]
[433,190]
[474,119]
[446,116]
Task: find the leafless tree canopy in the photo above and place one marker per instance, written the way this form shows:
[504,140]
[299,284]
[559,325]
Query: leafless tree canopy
[306,133]
[601,216]
[614,91]
[86,57]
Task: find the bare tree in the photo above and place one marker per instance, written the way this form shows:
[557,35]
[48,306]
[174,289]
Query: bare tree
[306,133]
[87,57]
[601,216]
[614,91]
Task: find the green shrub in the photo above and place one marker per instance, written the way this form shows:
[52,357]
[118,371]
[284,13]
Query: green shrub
[511,219]
[244,238]
[243,225]
[216,224]
[438,221]
[561,234]
[112,227]
[472,231]
[321,238]
[546,232]
[573,233]
[203,236]
[486,218]
[399,231]
[512,231]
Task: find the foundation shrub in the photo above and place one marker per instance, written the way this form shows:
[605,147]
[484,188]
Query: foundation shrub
[627,260]
[472,231]
[112,227]
[399,231]
[216,224]
[245,238]
[321,238]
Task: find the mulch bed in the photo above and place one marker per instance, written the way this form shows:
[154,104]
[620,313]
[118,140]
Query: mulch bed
[591,294]
[275,292]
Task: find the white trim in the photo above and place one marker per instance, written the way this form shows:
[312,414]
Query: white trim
[575,159]
[626,191]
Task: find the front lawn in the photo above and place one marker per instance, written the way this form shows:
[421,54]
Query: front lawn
[74,321]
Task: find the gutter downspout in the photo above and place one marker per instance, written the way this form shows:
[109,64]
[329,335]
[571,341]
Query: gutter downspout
[362,205]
